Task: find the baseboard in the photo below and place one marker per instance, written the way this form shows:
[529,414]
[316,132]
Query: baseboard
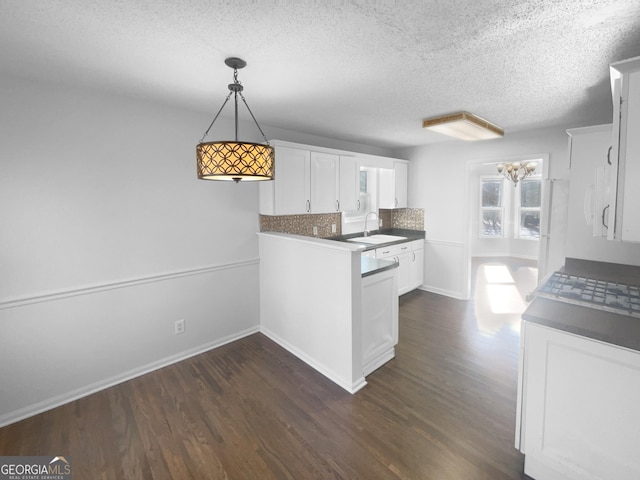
[59,400]
[442,291]
[327,372]
[379,361]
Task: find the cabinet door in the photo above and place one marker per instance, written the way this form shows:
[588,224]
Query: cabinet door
[349,184]
[393,186]
[324,182]
[404,262]
[416,267]
[401,172]
[379,319]
[580,407]
[630,168]
[291,184]
[624,216]
[386,188]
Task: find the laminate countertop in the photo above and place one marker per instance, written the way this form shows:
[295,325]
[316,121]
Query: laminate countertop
[371,266]
[614,328]
[410,235]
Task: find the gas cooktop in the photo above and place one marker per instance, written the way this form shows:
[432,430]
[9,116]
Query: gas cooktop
[589,292]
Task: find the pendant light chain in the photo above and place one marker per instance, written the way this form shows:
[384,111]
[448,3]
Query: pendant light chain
[215,118]
[235,88]
[264,137]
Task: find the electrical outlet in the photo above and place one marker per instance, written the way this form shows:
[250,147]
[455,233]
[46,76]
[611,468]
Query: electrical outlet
[380,223]
[315,230]
[179,327]
[333,228]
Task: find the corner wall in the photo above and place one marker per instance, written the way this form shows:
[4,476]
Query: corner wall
[107,238]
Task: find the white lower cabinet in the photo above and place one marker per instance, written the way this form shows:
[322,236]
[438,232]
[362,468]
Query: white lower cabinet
[379,319]
[410,259]
[416,265]
[578,407]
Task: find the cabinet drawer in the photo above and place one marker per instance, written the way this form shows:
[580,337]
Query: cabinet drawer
[393,250]
[417,245]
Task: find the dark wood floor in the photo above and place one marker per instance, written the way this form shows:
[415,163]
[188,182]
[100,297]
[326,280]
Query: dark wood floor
[444,408]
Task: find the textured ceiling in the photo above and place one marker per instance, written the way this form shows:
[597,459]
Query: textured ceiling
[364,71]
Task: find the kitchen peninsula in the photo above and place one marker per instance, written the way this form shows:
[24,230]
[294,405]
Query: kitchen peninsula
[329,305]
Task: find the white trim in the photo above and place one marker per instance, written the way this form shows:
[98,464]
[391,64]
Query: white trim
[442,291]
[327,372]
[444,242]
[101,287]
[58,400]
[505,255]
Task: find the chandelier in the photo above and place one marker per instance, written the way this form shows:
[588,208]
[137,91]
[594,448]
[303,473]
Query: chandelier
[234,160]
[516,171]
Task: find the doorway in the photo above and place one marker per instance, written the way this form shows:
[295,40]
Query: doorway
[507,227]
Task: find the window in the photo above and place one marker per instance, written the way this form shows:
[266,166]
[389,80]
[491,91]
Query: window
[528,208]
[491,207]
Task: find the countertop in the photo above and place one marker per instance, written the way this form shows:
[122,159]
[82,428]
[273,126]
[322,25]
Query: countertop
[370,266]
[614,328]
[410,235]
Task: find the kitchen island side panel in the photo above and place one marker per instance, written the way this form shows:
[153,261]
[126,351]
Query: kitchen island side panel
[309,296]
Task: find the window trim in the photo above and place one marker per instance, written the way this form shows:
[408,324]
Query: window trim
[519,209]
[483,209]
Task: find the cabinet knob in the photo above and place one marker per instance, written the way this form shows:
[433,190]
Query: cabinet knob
[308,205]
[337,205]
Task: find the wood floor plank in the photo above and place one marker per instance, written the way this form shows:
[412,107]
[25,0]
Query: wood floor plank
[443,409]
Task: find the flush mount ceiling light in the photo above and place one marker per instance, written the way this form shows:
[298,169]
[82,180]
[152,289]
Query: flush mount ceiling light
[464,126]
[234,160]
[516,171]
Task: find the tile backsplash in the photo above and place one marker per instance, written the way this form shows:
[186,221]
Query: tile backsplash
[303,224]
[409,218]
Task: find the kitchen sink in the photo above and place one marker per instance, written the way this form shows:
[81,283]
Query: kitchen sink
[376,239]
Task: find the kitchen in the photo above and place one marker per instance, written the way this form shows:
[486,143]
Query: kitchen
[128,224]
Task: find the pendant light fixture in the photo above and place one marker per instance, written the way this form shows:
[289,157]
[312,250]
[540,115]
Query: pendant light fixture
[235,160]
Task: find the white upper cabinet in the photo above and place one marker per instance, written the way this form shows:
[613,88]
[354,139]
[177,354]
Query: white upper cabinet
[321,180]
[289,193]
[393,186]
[624,214]
[349,184]
[401,171]
[325,182]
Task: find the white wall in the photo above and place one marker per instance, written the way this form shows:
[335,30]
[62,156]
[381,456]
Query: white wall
[107,238]
[438,182]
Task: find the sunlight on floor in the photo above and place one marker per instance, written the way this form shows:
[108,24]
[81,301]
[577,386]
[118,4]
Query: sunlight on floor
[497,274]
[505,299]
[500,294]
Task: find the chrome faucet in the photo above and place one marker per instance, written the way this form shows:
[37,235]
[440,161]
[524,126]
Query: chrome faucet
[367,232]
